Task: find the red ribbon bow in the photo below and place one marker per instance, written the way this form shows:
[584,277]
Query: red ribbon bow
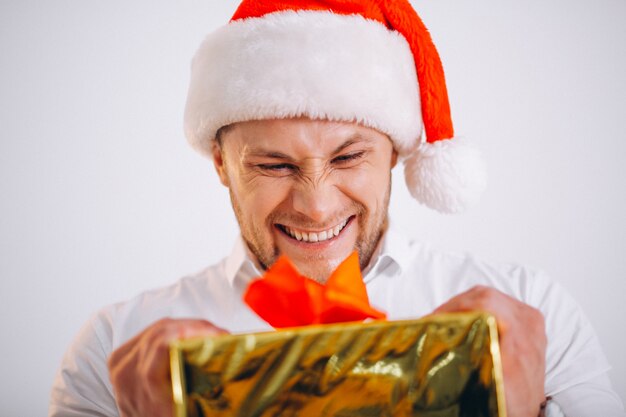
[284,298]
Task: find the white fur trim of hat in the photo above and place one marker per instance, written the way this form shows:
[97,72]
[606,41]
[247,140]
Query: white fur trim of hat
[339,67]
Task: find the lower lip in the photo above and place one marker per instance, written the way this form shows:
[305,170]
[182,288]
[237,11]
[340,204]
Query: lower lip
[317,244]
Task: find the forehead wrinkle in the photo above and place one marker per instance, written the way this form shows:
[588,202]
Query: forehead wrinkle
[269,154]
[260,151]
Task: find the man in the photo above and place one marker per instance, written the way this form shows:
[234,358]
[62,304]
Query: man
[304,108]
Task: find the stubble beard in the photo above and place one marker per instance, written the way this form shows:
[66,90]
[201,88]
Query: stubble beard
[267,253]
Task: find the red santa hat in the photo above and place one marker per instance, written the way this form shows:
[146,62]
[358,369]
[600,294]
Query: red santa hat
[367,61]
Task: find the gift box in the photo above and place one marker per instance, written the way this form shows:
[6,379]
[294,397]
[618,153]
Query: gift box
[444,365]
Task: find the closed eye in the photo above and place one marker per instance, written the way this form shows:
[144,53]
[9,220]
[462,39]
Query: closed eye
[277,167]
[351,157]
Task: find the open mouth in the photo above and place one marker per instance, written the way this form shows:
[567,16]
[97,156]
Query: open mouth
[305,236]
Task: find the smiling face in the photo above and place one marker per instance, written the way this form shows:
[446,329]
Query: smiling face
[312,190]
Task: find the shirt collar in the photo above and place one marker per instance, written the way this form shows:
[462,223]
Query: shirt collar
[240,264]
[392,250]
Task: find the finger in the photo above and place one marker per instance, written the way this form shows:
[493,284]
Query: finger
[140,370]
[156,353]
[467,300]
[480,298]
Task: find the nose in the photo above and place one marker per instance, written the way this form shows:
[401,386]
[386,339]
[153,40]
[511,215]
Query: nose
[320,201]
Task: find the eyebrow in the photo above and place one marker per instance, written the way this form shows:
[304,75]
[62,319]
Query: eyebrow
[355,138]
[260,152]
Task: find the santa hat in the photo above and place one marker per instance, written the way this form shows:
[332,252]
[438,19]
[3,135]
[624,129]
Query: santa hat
[366,61]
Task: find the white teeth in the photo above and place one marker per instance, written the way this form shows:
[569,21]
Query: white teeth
[316,237]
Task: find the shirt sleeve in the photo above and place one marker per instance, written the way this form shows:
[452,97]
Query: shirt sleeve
[81,386]
[576,366]
[594,397]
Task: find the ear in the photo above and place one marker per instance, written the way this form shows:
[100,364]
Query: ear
[394,158]
[218,162]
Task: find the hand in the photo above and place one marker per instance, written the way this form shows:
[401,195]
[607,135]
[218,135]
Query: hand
[522,345]
[140,369]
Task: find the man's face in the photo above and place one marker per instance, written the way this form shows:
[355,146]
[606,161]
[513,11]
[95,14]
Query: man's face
[312,190]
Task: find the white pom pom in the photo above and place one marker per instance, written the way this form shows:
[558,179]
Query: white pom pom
[448,175]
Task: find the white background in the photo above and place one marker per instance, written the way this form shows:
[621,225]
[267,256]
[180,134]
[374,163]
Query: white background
[100,197]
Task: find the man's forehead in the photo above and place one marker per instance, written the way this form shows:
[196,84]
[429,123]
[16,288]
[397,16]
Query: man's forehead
[270,152]
[276,137]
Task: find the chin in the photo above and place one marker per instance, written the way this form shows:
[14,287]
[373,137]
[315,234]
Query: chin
[319,270]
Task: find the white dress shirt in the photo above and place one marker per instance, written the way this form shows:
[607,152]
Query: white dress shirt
[405,279]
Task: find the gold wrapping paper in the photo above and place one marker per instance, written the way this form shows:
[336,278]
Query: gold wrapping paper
[440,366]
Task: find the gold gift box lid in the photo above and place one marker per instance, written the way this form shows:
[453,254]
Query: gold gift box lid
[438,366]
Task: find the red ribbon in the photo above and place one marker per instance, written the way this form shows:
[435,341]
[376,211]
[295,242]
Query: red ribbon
[284,298]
